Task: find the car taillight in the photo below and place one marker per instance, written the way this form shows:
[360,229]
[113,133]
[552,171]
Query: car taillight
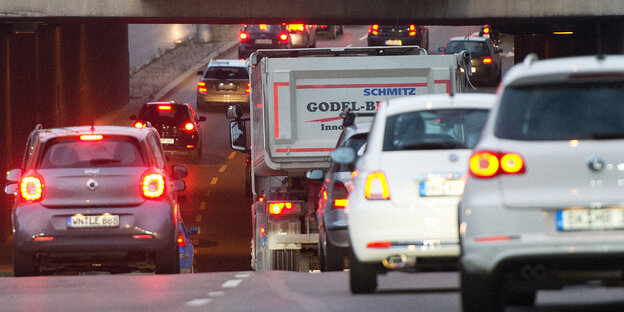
[486,29]
[139,124]
[189,126]
[412,30]
[283,37]
[201,87]
[91,137]
[487,60]
[340,196]
[281,208]
[31,188]
[487,164]
[153,185]
[374,29]
[181,240]
[243,36]
[247,90]
[376,186]
[164,107]
[295,27]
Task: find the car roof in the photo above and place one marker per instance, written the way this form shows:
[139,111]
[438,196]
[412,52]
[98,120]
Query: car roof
[53,133]
[469,38]
[532,71]
[439,101]
[227,63]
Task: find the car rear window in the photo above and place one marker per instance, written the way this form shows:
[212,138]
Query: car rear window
[472,46]
[434,129]
[263,28]
[176,115]
[356,142]
[226,73]
[562,112]
[108,152]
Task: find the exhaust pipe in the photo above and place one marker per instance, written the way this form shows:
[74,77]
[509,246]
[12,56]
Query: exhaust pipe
[399,262]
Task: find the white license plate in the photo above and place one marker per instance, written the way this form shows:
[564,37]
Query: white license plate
[442,187]
[264,41]
[394,42]
[589,219]
[97,221]
[166,141]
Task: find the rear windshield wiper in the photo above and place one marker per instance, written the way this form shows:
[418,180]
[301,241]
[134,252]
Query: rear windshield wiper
[101,161]
[434,146]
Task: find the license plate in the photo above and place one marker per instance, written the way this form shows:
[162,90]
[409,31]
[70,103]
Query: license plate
[589,219]
[166,141]
[264,41]
[442,187]
[97,221]
[394,42]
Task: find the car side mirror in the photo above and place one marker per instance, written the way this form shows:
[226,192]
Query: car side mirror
[133,117]
[238,136]
[316,174]
[234,112]
[202,118]
[179,171]
[11,189]
[13,175]
[343,155]
[180,186]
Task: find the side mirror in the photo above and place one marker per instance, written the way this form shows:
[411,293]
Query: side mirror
[202,118]
[193,230]
[133,117]
[11,189]
[234,112]
[238,135]
[180,186]
[14,175]
[316,174]
[200,72]
[441,49]
[179,171]
[343,155]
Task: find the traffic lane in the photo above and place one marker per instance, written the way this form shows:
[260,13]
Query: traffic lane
[351,37]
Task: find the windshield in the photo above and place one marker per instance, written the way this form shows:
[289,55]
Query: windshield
[263,28]
[562,112]
[434,129]
[109,152]
[174,116]
[472,46]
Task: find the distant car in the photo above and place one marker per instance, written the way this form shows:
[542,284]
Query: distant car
[542,207]
[178,126]
[402,210]
[330,213]
[95,198]
[223,82]
[398,35]
[486,63]
[329,30]
[302,35]
[263,36]
[186,248]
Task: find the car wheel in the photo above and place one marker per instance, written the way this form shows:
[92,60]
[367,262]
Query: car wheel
[168,260]
[479,293]
[333,257]
[362,276]
[24,264]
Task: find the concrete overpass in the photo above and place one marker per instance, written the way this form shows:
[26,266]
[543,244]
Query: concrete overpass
[64,62]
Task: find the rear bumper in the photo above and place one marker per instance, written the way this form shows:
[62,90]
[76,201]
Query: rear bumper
[222,98]
[381,41]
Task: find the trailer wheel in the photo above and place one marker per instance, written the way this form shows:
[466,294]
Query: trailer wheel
[285,260]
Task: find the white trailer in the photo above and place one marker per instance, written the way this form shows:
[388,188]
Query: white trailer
[296,98]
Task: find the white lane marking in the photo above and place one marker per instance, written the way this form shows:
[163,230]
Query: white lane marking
[202,206]
[242,275]
[214,181]
[232,155]
[198,218]
[231,283]
[216,293]
[198,302]
[222,168]
[363,37]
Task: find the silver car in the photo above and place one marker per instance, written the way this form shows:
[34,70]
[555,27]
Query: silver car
[95,198]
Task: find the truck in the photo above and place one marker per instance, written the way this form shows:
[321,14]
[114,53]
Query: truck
[296,99]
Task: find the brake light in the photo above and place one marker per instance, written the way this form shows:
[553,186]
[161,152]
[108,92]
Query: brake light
[486,164]
[412,30]
[247,90]
[278,208]
[486,29]
[487,60]
[379,245]
[376,186]
[91,137]
[153,185]
[31,188]
[201,87]
[139,124]
[340,196]
[283,37]
[43,238]
[487,239]
[243,36]
[181,240]
[189,126]
[340,203]
[295,27]
[374,29]
[164,107]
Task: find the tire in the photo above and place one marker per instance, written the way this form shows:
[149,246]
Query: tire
[168,261]
[285,260]
[333,257]
[479,293]
[362,276]
[24,264]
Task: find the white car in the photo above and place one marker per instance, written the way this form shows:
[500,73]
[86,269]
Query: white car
[543,206]
[402,211]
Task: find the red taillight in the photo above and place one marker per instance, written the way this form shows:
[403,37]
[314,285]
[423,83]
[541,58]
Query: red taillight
[43,238]
[278,208]
[487,60]
[283,37]
[153,185]
[142,236]
[376,186]
[412,30]
[31,188]
[487,239]
[295,27]
[340,196]
[189,126]
[181,240]
[247,90]
[139,124]
[486,164]
[486,29]
[340,203]
[379,245]
[164,107]
[243,36]
[91,137]
[374,29]
[201,87]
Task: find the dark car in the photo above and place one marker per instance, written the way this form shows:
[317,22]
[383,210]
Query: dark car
[223,82]
[178,126]
[95,198]
[398,35]
[330,213]
[263,36]
[186,248]
[486,62]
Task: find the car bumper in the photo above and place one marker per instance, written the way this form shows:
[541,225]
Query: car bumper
[222,98]
[379,41]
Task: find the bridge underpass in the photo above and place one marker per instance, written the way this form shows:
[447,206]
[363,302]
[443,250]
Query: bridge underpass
[59,69]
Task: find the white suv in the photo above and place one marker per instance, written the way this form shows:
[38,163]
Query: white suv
[543,206]
[402,211]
